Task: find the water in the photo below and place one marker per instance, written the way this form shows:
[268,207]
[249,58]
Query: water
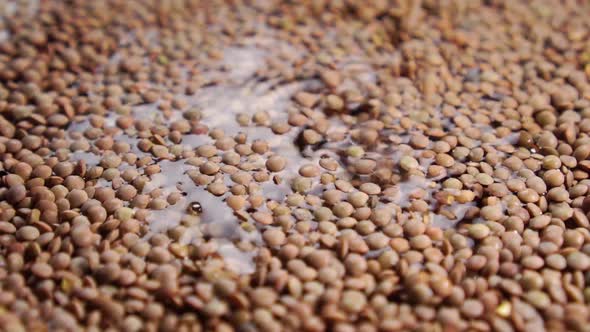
[219,104]
[92,159]
[216,220]
[243,81]
[408,190]
[459,210]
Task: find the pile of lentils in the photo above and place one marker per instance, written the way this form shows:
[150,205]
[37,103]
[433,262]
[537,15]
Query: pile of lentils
[268,165]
